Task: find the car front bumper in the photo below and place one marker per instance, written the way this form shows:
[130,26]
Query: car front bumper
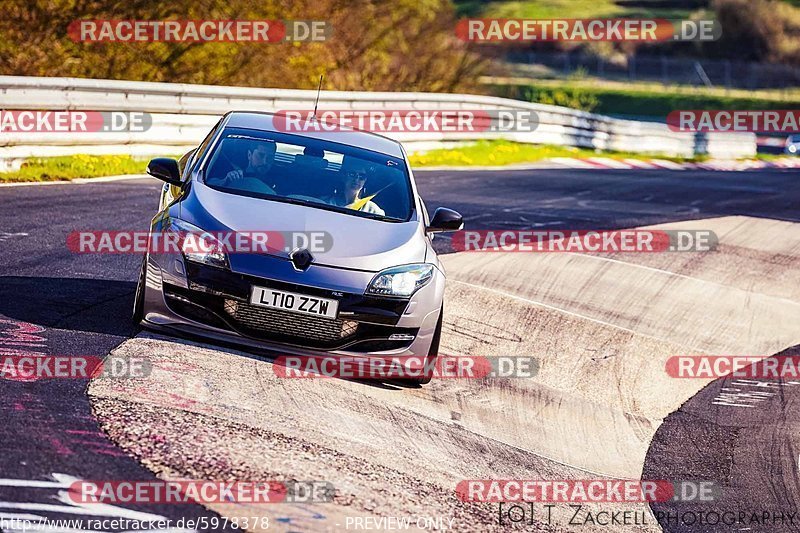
[196,299]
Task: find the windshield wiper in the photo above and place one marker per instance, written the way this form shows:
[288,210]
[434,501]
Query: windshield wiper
[378,217]
[295,201]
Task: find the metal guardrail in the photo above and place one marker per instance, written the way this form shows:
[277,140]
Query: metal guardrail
[183,113]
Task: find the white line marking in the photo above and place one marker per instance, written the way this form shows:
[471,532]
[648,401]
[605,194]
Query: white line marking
[572,163]
[545,164]
[78,181]
[18,516]
[541,224]
[6,236]
[93,509]
[105,179]
[610,163]
[34,484]
[31,183]
[638,163]
[663,163]
[63,481]
[684,276]
[476,217]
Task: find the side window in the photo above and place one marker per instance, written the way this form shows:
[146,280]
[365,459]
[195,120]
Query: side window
[198,152]
[185,165]
[183,161]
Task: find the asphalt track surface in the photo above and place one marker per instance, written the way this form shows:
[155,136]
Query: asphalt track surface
[55,302]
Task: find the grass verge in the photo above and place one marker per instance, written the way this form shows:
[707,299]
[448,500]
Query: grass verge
[481,153]
[645,100]
[71,167]
[500,153]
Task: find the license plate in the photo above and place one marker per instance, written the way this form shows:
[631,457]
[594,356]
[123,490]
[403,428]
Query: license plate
[292,301]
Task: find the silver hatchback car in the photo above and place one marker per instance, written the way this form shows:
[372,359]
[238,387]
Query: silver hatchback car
[355,273]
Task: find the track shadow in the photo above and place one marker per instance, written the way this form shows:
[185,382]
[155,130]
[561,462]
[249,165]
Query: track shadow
[104,306]
[90,305]
[48,427]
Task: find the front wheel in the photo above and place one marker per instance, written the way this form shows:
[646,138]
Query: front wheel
[433,353]
[138,300]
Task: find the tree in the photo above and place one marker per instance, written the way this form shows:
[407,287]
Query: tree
[391,45]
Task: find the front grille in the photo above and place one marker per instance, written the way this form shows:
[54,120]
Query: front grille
[275,325]
[259,320]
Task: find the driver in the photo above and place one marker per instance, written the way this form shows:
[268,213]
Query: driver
[355,178]
[256,176]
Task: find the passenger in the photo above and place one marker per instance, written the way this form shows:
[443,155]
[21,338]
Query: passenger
[349,195]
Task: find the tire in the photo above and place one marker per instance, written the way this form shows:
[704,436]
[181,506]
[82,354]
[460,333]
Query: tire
[138,300]
[433,353]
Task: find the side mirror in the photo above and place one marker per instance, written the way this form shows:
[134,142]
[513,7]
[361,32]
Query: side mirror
[165,169]
[445,220]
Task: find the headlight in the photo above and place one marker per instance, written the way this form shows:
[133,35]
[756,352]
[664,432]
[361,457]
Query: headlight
[400,281]
[198,245]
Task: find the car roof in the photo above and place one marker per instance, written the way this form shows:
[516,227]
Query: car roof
[263,121]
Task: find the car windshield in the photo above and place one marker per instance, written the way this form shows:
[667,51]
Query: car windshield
[321,174]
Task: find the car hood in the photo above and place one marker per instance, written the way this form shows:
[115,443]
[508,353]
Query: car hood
[356,242]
